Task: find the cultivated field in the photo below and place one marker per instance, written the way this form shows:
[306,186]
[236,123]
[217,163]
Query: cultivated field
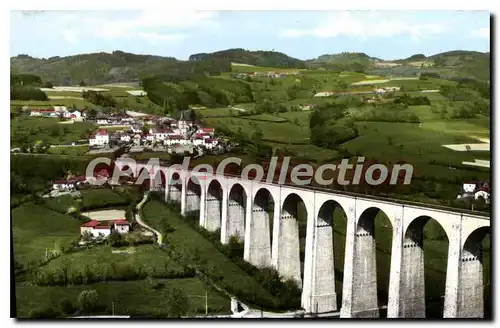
[106,215]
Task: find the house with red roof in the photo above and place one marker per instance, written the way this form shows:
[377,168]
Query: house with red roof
[104,228]
[209,131]
[99,138]
[63,185]
[44,113]
[121,226]
[210,143]
[161,133]
[174,139]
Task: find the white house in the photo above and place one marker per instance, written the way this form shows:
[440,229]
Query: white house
[125,137]
[121,226]
[78,114]
[210,143]
[209,131]
[150,137]
[198,141]
[160,133]
[173,139]
[95,228]
[62,185]
[102,121]
[61,109]
[184,126]
[100,138]
[482,193]
[469,186]
[103,230]
[88,227]
[136,128]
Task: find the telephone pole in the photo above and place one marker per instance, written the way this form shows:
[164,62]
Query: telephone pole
[206,302]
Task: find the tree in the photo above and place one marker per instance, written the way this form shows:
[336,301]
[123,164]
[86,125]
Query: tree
[66,306]
[82,83]
[87,300]
[177,303]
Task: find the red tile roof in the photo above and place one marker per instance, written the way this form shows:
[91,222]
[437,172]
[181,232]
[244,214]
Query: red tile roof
[102,132]
[91,224]
[175,137]
[207,129]
[60,182]
[120,222]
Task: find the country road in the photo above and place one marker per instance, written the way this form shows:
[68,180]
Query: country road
[247,312]
[159,236]
[238,109]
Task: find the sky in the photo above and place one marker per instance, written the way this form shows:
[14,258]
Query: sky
[300,34]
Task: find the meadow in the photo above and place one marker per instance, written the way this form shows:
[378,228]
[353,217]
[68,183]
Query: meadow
[36,228]
[48,130]
[185,240]
[280,132]
[137,297]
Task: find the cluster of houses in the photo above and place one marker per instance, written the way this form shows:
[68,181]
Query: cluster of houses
[475,190]
[166,131]
[378,91]
[96,228]
[59,112]
[72,183]
[386,89]
[270,74]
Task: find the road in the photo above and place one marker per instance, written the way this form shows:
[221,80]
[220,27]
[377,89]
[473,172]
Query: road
[238,109]
[159,236]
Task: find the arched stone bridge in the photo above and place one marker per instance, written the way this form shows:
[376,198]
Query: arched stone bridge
[241,207]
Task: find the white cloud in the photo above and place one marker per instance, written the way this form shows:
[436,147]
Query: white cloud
[150,22]
[157,37]
[366,25]
[153,26]
[70,36]
[483,33]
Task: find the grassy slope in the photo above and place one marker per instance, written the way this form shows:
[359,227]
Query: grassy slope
[37,128]
[129,297]
[185,240]
[149,257]
[35,228]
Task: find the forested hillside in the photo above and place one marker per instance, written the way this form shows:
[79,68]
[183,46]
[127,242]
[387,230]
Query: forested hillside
[257,58]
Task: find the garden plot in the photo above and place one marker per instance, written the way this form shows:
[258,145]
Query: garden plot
[137,92]
[72,89]
[106,215]
[469,147]
[369,82]
[478,162]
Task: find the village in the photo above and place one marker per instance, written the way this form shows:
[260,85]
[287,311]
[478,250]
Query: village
[134,132]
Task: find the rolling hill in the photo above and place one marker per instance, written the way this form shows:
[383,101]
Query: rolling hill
[119,66]
[256,58]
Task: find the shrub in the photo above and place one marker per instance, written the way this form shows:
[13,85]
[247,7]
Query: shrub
[87,300]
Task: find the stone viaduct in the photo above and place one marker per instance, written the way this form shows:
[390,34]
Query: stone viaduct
[240,207]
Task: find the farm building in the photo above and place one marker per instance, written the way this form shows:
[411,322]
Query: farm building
[121,226]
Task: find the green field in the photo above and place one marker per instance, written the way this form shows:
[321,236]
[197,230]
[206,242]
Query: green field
[250,68]
[128,297]
[187,241]
[71,151]
[48,130]
[90,199]
[79,103]
[36,228]
[281,132]
[149,257]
